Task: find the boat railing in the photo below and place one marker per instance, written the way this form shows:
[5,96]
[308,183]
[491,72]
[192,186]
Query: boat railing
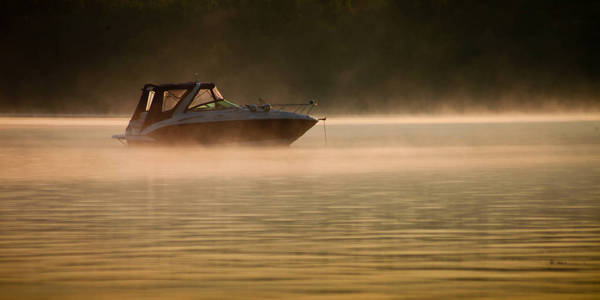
[299,108]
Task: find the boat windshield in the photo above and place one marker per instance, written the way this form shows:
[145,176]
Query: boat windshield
[171,98]
[217,93]
[203,96]
[209,99]
[213,105]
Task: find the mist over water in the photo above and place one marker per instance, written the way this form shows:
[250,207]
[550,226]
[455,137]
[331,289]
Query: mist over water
[390,207]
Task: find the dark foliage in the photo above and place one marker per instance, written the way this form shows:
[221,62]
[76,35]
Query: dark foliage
[353,56]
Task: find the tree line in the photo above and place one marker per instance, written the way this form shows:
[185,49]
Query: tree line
[376,56]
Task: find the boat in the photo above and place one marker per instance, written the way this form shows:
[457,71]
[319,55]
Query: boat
[196,112]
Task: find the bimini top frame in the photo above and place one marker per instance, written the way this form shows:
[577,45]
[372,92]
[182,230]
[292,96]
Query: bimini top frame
[152,100]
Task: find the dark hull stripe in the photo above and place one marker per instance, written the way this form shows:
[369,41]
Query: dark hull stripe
[279,131]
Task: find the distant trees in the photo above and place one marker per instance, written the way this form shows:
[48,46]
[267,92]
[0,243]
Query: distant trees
[374,56]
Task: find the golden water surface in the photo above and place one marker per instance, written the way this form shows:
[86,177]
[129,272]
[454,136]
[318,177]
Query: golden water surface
[389,208]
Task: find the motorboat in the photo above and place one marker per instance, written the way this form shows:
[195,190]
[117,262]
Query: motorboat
[196,112]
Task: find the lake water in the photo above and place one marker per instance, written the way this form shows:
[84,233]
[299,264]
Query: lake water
[390,208]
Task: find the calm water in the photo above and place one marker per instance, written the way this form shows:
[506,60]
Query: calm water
[424,208]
